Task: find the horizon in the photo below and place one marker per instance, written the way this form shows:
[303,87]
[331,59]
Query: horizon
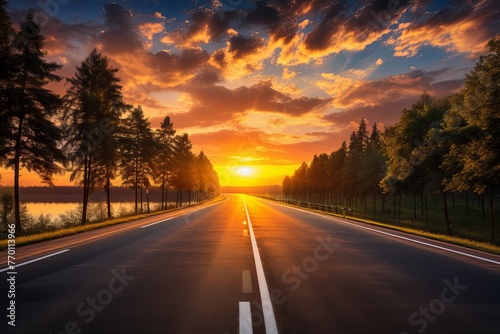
[260,89]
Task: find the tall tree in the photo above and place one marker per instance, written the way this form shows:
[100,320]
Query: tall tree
[478,158]
[32,137]
[287,186]
[138,150]
[6,75]
[94,104]
[415,152]
[164,136]
[184,166]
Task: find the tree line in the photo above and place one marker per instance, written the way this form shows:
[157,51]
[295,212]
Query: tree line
[439,145]
[90,131]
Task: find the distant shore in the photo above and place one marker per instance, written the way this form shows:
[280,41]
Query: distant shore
[71,194]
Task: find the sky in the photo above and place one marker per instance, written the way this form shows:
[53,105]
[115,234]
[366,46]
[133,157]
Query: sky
[261,86]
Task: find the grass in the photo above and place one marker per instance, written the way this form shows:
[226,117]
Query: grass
[481,245]
[34,238]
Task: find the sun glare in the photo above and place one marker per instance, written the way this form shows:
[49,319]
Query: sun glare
[244,171]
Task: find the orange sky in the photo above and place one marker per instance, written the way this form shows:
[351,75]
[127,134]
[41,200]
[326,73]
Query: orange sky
[267,87]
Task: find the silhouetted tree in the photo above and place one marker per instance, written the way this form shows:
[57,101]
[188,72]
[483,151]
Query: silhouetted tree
[138,151]
[164,136]
[94,104]
[30,137]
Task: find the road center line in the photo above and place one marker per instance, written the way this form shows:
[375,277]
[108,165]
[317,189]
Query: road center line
[246,281]
[399,236]
[267,305]
[35,260]
[245,318]
[158,222]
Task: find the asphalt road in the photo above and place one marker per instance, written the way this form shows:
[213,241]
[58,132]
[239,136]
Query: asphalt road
[247,265]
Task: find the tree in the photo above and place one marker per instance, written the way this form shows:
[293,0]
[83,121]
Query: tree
[6,75]
[94,104]
[475,151]
[206,176]
[373,166]
[6,206]
[287,186]
[415,152]
[184,166]
[138,150]
[164,136]
[28,108]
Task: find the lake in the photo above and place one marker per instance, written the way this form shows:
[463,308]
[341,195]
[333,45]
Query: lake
[56,209]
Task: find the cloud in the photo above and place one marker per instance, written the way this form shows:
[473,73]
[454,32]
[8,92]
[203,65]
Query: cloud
[204,26]
[119,34]
[348,92]
[241,56]
[213,105]
[464,27]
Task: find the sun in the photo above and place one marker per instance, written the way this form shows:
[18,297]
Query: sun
[244,171]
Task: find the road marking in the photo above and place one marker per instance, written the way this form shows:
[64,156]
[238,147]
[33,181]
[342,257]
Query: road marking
[400,237]
[267,305]
[35,260]
[245,318]
[247,281]
[159,222]
[244,222]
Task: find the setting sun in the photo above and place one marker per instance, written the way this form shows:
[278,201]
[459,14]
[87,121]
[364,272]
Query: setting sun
[244,171]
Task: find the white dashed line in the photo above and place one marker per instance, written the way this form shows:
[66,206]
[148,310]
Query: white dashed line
[159,222]
[245,318]
[247,281]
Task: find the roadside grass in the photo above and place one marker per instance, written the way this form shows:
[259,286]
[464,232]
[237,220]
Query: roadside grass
[34,238]
[418,227]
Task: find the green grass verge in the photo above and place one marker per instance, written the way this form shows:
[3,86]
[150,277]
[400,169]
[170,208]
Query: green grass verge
[473,244]
[34,238]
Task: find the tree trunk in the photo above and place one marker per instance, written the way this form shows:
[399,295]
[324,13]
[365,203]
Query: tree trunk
[414,205]
[482,206]
[446,217]
[86,186]
[394,205]
[426,208]
[17,167]
[108,195]
[162,191]
[400,199]
[467,201]
[492,220]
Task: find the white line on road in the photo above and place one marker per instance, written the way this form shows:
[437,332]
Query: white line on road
[399,236]
[159,222]
[246,281]
[267,305]
[35,260]
[245,318]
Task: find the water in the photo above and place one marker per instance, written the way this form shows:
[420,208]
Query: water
[56,209]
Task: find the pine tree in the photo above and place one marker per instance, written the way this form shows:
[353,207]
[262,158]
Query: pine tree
[164,137]
[94,104]
[138,151]
[28,110]
[183,163]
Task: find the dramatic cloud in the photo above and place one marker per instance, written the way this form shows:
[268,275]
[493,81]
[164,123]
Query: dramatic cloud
[464,27]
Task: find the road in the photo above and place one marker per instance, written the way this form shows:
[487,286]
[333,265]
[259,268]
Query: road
[246,265]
